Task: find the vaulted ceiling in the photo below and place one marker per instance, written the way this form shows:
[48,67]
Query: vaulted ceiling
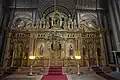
[46,6]
[43,4]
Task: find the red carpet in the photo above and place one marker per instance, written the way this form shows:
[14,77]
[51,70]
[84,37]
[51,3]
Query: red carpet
[54,73]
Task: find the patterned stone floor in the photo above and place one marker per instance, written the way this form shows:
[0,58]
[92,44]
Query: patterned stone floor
[115,75]
[89,76]
[23,77]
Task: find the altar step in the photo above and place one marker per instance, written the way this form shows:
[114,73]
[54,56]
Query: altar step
[36,70]
[7,72]
[55,70]
[101,73]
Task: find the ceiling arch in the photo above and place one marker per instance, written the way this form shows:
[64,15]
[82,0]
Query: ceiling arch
[66,6]
[59,8]
[90,17]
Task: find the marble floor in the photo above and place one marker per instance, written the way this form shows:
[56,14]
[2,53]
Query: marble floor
[23,77]
[88,76]
[115,75]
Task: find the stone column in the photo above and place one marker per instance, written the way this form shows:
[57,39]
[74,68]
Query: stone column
[7,50]
[107,41]
[114,15]
[102,50]
[116,5]
[97,60]
[95,52]
[1,11]
[119,3]
[113,25]
[117,14]
[2,33]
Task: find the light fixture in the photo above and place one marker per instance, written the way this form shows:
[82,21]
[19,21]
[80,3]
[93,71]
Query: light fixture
[31,67]
[31,57]
[77,57]
[78,66]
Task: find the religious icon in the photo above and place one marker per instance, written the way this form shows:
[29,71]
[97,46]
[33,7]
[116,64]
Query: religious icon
[27,50]
[41,50]
[11,50]
[71,50]
[21,24]
[29,24]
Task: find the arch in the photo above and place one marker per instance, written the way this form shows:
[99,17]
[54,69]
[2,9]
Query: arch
[90,17]
[21,16]
[58,6]
[53,11]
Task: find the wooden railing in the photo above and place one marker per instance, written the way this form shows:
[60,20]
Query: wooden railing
[114,65]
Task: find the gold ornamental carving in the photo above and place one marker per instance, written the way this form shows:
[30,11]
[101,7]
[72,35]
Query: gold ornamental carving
[56,32]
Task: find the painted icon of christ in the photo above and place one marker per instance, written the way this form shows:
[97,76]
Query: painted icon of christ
[71,50]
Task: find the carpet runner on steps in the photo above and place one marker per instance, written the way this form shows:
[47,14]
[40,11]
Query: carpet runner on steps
[55,73]
[55,70]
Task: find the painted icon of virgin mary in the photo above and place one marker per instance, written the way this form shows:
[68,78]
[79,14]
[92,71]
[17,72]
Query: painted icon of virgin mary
[41,49]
